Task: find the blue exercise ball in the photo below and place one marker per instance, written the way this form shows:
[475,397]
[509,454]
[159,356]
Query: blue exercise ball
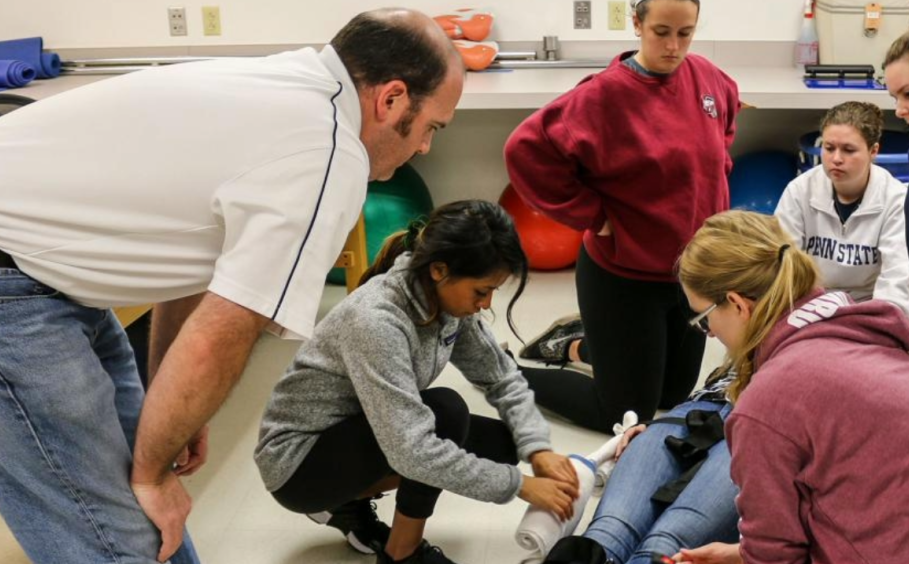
[390,206]
[758,180]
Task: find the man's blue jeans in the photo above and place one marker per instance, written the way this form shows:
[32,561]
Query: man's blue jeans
[69,406]
[630,526]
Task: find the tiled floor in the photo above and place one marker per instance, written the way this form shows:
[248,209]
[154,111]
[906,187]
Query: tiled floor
[235,521]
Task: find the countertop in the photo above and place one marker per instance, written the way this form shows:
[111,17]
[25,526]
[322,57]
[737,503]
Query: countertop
[759,86]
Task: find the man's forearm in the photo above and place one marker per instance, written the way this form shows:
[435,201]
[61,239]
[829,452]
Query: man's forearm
[167,319]
[200,368]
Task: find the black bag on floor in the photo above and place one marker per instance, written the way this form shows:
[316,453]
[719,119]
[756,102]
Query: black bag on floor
[576,550]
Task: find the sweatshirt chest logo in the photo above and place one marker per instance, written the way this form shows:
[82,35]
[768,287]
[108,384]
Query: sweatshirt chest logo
[708,103]
[849,254]
[449,339]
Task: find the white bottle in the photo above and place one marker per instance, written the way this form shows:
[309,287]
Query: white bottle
[806,47]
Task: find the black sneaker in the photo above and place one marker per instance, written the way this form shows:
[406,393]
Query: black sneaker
[552,344]
[425,554]
[358,521]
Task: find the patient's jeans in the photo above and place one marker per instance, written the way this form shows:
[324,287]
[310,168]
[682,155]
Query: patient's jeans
[630,526]
[69,406]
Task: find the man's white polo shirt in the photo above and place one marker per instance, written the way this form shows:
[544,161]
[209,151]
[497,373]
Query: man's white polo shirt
[239,176]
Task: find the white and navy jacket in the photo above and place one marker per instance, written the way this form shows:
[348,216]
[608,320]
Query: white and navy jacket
[866,256]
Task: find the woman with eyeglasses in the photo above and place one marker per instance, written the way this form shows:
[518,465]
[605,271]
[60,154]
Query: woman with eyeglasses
[848,213]
[819,436]
[593,160]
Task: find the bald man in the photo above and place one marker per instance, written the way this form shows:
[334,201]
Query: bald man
[223,192]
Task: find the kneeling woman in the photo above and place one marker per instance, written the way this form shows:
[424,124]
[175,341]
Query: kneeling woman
[820,398]
[353,415]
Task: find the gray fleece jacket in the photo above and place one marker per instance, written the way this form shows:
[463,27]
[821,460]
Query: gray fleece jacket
[370,356]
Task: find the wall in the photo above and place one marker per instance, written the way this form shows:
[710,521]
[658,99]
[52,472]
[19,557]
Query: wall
[140,23]
[466,158]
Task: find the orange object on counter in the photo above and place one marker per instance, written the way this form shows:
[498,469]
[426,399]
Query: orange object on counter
[467,24]
[477,56]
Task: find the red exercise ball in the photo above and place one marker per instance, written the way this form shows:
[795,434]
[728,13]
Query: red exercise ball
[549,245]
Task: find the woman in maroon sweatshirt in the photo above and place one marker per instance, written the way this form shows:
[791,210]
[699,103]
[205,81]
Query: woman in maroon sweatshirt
[819,435]
[637,158]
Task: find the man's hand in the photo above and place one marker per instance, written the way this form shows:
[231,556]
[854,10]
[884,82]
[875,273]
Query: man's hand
[193,455]
[167,505]
[713,553]
[202,365]
[547,464]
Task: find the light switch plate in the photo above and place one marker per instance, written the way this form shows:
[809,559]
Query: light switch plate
[616,15]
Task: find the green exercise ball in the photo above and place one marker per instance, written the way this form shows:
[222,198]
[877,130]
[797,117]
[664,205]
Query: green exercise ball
[390,206]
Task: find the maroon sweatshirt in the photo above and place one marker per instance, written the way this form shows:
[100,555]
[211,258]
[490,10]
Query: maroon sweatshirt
[820,438]
[649,153]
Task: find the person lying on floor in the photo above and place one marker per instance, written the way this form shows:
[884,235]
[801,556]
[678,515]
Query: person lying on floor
[670,488]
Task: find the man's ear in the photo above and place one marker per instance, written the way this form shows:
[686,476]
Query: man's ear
[391,101]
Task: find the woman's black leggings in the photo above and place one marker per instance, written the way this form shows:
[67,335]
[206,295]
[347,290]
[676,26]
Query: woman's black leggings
[643,353]
[346,460]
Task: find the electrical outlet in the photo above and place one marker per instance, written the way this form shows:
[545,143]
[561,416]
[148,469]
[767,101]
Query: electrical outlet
[616,15]
[581,14]
[211,20]
[176,19]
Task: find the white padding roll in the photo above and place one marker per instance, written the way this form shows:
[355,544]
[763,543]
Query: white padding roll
[539,530]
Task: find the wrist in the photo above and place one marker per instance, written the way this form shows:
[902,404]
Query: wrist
[522,490]
[534,454]
[147,474]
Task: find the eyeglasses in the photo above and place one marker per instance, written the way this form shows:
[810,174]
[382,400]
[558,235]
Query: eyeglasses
[700,320]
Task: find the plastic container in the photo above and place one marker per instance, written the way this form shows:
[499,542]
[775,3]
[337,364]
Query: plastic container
[893,155]
[841,31]
[806,47]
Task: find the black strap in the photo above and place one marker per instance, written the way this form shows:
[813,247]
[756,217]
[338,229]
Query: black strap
[577,550]
[705,429]
[672,420]
[670,491]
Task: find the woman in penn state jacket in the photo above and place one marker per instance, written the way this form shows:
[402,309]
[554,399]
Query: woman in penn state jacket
[847,212]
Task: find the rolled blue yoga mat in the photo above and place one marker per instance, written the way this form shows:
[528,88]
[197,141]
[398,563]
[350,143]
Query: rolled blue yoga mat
[14,74]
[29,50]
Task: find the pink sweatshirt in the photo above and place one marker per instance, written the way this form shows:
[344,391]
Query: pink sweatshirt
[820,438]
[649,153]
